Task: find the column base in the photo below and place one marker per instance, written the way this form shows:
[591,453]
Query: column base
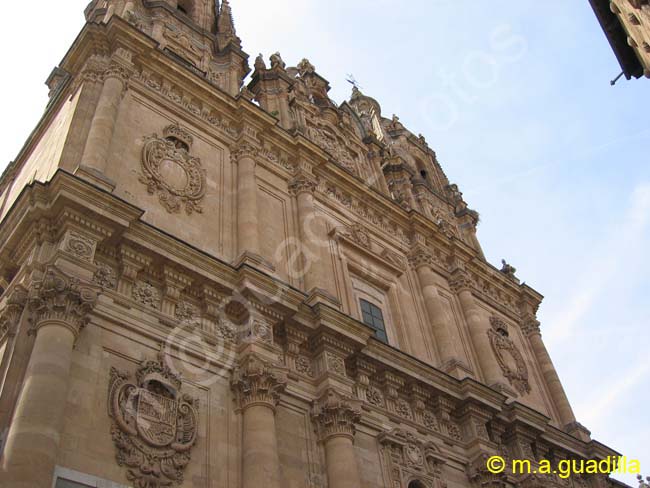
[255,261]
[95,177]
[318,295]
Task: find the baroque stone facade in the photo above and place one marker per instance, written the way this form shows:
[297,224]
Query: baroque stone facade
[211,283]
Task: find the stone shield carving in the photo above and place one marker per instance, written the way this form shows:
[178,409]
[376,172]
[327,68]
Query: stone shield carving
[170,172]
[154,425]
[508,356]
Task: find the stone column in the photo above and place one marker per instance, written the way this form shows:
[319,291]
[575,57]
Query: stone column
[530,326]
[314,241]
[258,386]
[335,417]
[60,306]
[492,373]
[441,321]
[95,155]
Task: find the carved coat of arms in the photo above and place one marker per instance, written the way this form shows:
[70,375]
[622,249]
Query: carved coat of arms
[510,360]
[171,172]
[154,425]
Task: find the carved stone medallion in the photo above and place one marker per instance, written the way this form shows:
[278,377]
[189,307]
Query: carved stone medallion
[170,172]
[154,425]
[508,356]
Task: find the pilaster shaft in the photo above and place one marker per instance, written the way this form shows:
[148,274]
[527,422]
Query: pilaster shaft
[558,395]
[60,306]
[247,211]
[441,321]
[95,153]
[477,329]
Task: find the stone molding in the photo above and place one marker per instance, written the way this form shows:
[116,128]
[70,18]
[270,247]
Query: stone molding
[302,183]
[59,298]
[336,415]
[257,382]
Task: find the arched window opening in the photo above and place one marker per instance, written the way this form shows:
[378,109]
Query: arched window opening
[185,7]
[416,484]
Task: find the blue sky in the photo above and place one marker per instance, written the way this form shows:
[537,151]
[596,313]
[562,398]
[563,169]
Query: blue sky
[515,99]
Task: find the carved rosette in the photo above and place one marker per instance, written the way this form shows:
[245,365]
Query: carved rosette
[154,426]
[62,299]
[170,172]
[336,415]
[12,311]
[508,356]
[256,382]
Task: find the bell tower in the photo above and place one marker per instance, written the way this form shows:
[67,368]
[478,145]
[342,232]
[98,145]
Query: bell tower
[201,33]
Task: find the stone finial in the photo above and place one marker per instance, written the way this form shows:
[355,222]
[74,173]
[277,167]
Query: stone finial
[62,299]
[226,33]
[256,382]
[336,415]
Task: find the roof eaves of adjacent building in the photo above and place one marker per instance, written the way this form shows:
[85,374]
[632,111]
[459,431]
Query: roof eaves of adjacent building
[617,37]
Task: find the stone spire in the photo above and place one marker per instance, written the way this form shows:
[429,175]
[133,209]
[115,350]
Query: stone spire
[226,33]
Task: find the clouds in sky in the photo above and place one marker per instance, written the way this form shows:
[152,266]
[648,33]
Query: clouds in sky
[515,99]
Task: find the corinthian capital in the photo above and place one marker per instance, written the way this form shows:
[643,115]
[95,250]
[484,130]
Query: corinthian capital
[460,281]
[256,382]
[529,324]
[14,308]
[118,72]
[244,149]
[419,257]
[61,299]
[302,183]
[336,415]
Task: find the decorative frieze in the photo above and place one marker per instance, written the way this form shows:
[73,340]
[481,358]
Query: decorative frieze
[105,277]
[154,425]
[146,294]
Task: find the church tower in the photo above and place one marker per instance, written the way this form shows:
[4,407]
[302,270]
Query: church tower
[218,276]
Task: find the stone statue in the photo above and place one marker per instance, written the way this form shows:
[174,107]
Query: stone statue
[277,62]
[305,67]
[508,270]
[260,65]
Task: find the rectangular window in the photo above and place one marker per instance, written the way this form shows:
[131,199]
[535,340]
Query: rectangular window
[373,317]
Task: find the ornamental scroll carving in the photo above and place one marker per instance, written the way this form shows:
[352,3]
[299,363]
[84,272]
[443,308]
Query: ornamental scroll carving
[508,356]
[154,425]
[170,172]
[407,458]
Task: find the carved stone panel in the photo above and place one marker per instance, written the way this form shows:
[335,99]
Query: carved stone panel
[154,425]
[508,356]
[408,458]
[170,172]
